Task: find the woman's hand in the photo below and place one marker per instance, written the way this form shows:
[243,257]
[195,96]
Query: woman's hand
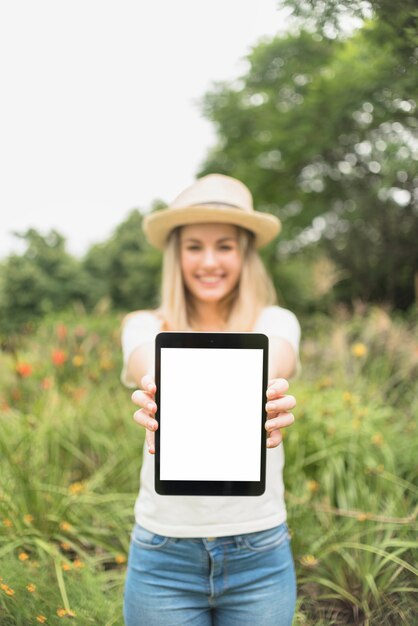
[145,398]
[278,407]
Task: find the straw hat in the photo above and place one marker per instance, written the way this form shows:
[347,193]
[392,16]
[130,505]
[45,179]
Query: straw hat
[213,198]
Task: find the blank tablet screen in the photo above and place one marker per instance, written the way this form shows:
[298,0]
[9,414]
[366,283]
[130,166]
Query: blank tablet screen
[210,414]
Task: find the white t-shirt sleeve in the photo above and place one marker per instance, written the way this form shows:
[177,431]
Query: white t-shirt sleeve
[138,329]
[275,321]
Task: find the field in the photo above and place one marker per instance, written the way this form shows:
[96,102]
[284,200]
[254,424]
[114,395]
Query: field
[70,457]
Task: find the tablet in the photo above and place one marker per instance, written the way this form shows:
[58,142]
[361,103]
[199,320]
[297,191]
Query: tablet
[211,396]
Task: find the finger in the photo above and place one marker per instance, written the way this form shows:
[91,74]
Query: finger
[148,383]
[150,439]
[284,403]
[281,421]
[144,400]
[277,387]
[274,439]
[145,419]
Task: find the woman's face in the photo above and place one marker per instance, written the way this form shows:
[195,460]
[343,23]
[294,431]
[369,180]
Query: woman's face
[210,260]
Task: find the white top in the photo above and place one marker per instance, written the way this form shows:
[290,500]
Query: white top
[209,516]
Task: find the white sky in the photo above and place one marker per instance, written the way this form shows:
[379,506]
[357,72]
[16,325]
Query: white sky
[98,109]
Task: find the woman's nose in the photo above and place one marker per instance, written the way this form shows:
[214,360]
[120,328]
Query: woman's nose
[209,257]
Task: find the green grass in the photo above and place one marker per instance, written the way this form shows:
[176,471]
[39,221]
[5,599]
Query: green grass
[70,457]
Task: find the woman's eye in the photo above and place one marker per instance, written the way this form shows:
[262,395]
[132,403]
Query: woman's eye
[192,248]
[226,248]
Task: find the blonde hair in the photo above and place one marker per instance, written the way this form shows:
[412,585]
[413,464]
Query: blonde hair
[241,307]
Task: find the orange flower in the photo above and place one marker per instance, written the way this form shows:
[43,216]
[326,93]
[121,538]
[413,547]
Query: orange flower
[41,619]
[78,564]
[359,350]
[28,519]
[7,590]
[61,612]
[31,588]
[46,383]
[7,522]
[24,369]
[78,360]
[65,526]
[65,545]
[59,357]
[312,485]
[66,567]
[23,556]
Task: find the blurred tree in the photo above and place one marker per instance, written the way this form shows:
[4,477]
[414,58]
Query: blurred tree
[44,278]
[323,130]
[125,268]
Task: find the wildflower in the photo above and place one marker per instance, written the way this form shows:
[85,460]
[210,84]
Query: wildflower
[59,357]
[65,545]
[313,485]
[347,397]
[76,488]
[7,522]
[106,362]
[61,331]
[377,439]
[28,519]
[46,383]
[66,567]
[7,590]
[78,360]
[65,526]
[359,350]
[41,619]
[309,560]
[31,588]
[78,564]
[23,556]
[24,369]
[362,517]
[120,559]
[61,612]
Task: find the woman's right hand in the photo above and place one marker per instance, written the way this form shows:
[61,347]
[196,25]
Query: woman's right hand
[145,398]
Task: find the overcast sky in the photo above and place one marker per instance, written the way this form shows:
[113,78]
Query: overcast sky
[99,105]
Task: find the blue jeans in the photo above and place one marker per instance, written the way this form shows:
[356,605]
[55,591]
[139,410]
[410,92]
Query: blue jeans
[227,581]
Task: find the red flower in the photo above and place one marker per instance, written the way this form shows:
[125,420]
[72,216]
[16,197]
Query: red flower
[24,369]
[59,357]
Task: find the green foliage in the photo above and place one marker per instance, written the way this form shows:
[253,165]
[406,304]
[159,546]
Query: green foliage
[125,268]
[43,279]
[324,132]
[70,456]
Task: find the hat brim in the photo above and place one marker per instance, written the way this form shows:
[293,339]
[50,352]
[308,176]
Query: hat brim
[157,226]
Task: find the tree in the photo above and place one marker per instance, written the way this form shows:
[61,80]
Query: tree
[43,279]
[323,131]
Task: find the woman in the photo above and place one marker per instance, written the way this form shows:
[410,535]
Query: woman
[211,560]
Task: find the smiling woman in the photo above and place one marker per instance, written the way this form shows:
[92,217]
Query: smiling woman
[194,559]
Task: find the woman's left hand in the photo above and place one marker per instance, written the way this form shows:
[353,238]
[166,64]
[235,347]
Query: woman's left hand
[278,406]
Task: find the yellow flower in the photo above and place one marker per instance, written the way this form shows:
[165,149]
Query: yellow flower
[309,560]
[76,488]
[377,439]
[7,590]
[359,350]
[362,517]
[61,612]
[28,519]
[7,522]
[41,619]
[23,556]
[313,485]
[65,526]
[78,360]
[347,397]
[31,588]
[120,558]
[78,564]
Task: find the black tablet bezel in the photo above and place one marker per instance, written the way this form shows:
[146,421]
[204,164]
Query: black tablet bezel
[257,341]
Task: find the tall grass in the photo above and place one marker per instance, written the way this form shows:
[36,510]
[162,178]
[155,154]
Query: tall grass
[71,455]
